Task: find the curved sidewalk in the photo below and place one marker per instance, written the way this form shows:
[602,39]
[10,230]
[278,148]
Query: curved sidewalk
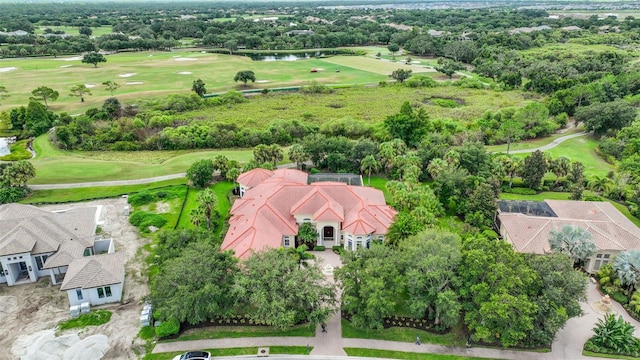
[550,145]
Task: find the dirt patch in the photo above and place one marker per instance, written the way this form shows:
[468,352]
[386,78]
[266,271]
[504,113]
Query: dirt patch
[28,309]
[163,207]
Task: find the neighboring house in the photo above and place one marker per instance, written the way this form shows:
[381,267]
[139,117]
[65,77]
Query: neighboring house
[275,203]
[35,243]
[527,224]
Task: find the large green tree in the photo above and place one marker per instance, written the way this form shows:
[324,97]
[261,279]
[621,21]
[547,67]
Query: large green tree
[371,282]
[401,75]
[533,169]
[80,91]
[408,125]
[198,87]
[430,260]
[43,93]
[200,173]
[368,165]
[604,117]
[196,286]
[93,58]
[207,209]
[298,155]
[281,293]
[37,119]
[245,76]
[111,86]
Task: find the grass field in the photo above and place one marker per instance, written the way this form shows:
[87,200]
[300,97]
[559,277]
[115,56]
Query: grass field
[58,166]
[453,338]
[73,30]
[290,350]
[388,354]
[581,149]
[532,144]
[151,74]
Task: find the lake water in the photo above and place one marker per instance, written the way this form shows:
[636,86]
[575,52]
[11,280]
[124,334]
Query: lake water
[284,56]
[4,146]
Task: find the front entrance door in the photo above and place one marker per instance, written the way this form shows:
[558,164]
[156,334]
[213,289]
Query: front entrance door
[327,234]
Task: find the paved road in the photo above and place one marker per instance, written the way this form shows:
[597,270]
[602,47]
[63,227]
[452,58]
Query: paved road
[550,145]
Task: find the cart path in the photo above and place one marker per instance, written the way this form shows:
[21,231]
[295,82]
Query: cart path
[551,145]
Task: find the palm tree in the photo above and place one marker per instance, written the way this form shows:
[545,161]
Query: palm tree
[560,167]
[369,164]
[599,184]
[208,202]
[573,241]
[627,266]
[301,255]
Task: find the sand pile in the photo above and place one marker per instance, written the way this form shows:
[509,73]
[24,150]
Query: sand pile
[127,75]
[44,345]
[7,69]
[184,73]
[75,58]
[184,59]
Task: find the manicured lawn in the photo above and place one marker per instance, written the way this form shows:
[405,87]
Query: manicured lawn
[89,193]
[546,195]
[532,144]
[388,354]
[290,350]
[373,65]
[607,356]
[57,166]
[581,149]
[221,189]
[453,338]
[18,151]
[221,332]
[93,318]
[153,73]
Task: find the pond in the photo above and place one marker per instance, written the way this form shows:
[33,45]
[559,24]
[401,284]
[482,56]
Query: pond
[285,56]
[4,146]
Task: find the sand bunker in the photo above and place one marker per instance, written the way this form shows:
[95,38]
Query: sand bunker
[127,75]
[90,85]
[184,73]
[46,346]
[134,83]
[263,81]
[7,69]
[74,58]
[184,59]
[65,66]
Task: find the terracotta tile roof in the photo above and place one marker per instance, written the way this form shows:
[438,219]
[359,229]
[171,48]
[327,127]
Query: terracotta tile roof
[610,229]
[266,212]
[254,177]
[25,228]
[94,271]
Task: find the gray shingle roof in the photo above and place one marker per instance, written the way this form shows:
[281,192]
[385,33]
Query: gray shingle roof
[94,271]
[25,228]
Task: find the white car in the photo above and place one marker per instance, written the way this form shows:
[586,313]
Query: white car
[194,355]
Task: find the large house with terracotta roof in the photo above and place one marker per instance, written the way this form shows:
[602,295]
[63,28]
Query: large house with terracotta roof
[527,225]
[63,246]
[274,203]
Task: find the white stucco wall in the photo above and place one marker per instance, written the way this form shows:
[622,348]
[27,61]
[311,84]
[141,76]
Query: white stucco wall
[91,295]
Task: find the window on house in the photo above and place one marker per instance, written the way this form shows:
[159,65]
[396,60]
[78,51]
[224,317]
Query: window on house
[104,291]
[286,241]
[601,259]
[88,252]
[79,294]
[40,260]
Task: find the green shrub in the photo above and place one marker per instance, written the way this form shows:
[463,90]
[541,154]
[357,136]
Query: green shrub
[144,219]
[167,328]
[620,297]
[421,81]
[447,103]
[147,332]
[318,248]
[314,171]
[519,191]
[93,318]
[141,198]
[591,198]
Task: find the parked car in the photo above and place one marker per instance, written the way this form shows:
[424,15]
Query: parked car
[194,355]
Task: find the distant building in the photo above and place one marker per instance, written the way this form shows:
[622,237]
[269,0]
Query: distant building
[527,224]
[300,32]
